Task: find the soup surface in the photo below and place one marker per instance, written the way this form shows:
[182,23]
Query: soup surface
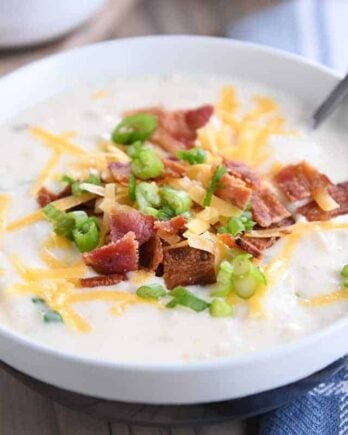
[42,296]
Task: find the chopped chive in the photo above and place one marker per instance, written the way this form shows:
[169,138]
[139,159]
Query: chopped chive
[151,291]
[220,308]
[134,128]
[132,188]
[214,184]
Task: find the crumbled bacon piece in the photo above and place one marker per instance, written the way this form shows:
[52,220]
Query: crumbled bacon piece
[45,196]
[120,172]
[177,130]
[102,280]
[243,171]
[123,221]
[174,168]
[151,253]
[186,266]
[173,226]
[266,208]
[116,257]
[300,181]
[339,193]
[197,118]
[255,245]
[234,190]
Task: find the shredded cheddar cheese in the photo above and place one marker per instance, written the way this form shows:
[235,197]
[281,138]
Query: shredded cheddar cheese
[330,298]
[276,268]
[46,172]
[57,142]
[62,204]
[244,138]
[4,207]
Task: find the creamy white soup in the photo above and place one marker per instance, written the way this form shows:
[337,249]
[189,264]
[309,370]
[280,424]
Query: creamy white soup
[289,287]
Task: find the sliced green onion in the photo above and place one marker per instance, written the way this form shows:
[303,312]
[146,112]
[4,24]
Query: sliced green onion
[151,291]
[87,235]
[214,184]
[344,271]
[258,274]
[132,185]
[63,223]
[134,149]
[242,264]
[181,296]
[246,219]
[239,224]
[220,308]
[48,315]
[36,300]
[177,200]
[134,128]
[76,185]
[146,195]
[52,317]
[193,156]
[224,279]
[146,164]
[245,286]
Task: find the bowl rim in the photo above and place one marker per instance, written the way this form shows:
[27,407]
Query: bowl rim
[177,367]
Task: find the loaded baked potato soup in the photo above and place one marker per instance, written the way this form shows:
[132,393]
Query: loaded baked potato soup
[169,219]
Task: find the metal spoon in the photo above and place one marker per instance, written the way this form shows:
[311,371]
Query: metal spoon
[335,98]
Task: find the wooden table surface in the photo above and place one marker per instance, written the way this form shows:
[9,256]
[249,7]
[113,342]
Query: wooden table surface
[23,411]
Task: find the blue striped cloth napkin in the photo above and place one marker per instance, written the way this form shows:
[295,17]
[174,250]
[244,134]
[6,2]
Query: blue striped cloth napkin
[323,411]
[316,29]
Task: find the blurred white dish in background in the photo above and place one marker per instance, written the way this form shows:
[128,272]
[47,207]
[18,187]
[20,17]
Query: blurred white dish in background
[30,22]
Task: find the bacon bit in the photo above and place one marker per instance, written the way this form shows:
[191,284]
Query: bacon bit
[173,226]
[234,190]
[102,280]
[119,257]
[123,221]
[177,129]
[301,181]
[228,240]
[197,118]
[266,208]
[255,246]
[120,172]
[151,253]
[243,171]
[174,168]
[188,266]
[339,193]
[45,196]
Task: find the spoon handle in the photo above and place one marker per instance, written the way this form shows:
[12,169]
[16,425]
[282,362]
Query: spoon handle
[331,102]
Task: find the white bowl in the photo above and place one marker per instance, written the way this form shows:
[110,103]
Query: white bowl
[205,381]
[31,22]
